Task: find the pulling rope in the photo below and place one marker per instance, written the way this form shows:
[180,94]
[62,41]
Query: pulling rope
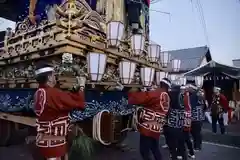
[97,127]
[135,118]
[132,124]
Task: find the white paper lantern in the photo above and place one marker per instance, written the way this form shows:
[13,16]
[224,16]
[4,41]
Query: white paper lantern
[96,65]
[126,71]
[160,76]
[176,64]
[115,31]
[172,77]
[154,51]
[147,75]
[182,81]
[137,44]
[199,81]
[165,58]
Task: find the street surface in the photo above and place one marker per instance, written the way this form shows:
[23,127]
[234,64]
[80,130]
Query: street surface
[210,151]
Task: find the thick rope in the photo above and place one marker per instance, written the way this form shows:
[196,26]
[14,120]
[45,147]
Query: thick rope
[97,127]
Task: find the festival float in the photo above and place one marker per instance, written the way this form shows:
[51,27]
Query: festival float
[107,44]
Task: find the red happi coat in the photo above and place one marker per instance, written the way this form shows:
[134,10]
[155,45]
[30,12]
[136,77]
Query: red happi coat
[220,105]
[187,112]
[52,107]
[147,2]
[155,107]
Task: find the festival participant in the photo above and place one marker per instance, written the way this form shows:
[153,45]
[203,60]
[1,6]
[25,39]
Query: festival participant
[37,9]
[185,90]
[135,10]
[175,123]
[198,107]
[218,108]
[155,107]
[52,107]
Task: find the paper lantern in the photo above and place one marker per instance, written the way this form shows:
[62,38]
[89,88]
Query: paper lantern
[126,71]
[154,51]
[96,65]
[160,75]
[165,58]
[147,75]
[199,81]
[176,64]
[172,77]
[115,31]
[182,81]
[137,44]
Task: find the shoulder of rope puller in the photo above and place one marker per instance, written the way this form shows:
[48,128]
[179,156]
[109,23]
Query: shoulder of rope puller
[40,98]
[164,101]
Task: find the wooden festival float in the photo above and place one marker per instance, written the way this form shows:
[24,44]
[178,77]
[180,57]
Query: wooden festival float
[101,45]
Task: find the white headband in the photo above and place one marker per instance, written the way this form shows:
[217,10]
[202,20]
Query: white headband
[189,86]
[166,82]
[44,70]
[192,86]
[216,89]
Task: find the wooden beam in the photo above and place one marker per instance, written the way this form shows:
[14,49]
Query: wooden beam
[29,121]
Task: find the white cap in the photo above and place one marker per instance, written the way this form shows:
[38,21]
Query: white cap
[216,89]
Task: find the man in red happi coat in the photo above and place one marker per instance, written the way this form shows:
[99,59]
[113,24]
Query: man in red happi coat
[52,107]
[155,107]
[219,106]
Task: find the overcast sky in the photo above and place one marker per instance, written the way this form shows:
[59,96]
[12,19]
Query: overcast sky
[183,28]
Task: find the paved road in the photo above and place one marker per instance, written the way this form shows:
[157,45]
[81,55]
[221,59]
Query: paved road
[210,151]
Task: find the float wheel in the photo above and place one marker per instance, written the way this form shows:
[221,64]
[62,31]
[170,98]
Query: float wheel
[5,132]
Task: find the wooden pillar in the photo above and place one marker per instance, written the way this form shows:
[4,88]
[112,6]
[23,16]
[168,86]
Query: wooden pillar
[235,90]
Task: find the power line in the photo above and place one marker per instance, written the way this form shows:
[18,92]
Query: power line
[202,20]
[160,11]
[154,1]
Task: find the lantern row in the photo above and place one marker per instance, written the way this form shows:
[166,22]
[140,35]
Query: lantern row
[115,35]
[97,64]
[182,80]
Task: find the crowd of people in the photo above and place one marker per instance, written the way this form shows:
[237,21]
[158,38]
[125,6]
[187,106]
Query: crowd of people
[177,111]
[182,112]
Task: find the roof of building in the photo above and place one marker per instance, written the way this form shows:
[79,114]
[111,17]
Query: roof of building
[236,62]
[190,57]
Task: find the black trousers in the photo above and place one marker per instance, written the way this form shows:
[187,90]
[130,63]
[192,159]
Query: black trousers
[188,142]
[148,144]
[215,119]
[176,142]
[196,132]
[165,132]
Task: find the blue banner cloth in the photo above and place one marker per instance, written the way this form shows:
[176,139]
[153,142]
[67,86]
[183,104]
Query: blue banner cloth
[21,100]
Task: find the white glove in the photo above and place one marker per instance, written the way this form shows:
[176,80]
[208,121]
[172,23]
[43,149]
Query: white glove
[119,86]
[153,87]
[81,81]
[144,89]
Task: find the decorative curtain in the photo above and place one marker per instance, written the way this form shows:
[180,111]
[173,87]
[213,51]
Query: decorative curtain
[144,19]
[115,10]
